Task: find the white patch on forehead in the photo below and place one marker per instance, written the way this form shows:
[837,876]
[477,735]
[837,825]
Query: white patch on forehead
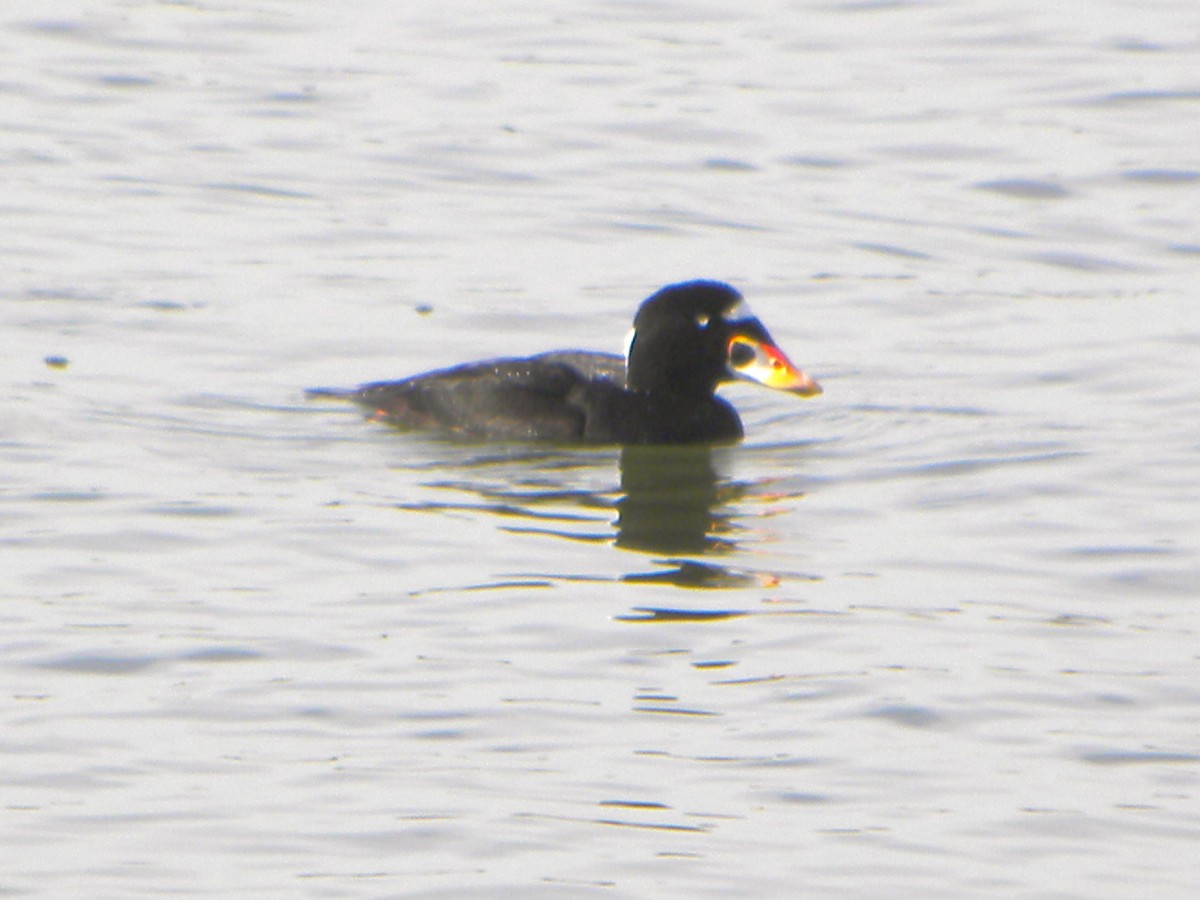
[739,311]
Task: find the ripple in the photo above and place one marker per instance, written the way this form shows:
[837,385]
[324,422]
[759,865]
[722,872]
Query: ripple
[1136,757]
[907,715]
[1123,98]
[1162,176]
[1082,262]
[260,190]
[1024,188]
[723,164]
[661,614]
[88,663]
[891,250]
[686,573]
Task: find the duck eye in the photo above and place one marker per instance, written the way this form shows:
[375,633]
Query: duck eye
[702,320]
[740,354]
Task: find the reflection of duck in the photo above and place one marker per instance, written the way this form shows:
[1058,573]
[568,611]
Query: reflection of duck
[687,338]
[669,495]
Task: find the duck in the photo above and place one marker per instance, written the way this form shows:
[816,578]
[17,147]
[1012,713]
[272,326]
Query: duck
[687,340]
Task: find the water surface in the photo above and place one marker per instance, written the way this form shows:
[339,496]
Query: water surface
[932,634]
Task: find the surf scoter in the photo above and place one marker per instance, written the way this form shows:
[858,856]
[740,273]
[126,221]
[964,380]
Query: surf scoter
[687,338]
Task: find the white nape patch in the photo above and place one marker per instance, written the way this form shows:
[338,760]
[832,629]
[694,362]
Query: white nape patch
[632,333]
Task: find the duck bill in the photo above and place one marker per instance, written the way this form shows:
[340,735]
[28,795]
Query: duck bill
[765,363]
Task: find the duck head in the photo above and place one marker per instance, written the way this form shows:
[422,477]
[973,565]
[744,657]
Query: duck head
[689,337]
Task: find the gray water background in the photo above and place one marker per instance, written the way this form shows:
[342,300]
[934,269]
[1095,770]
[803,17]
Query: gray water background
[937,634]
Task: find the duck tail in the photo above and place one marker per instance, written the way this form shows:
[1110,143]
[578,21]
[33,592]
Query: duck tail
[325,393]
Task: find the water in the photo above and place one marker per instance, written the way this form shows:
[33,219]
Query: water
[932,634]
